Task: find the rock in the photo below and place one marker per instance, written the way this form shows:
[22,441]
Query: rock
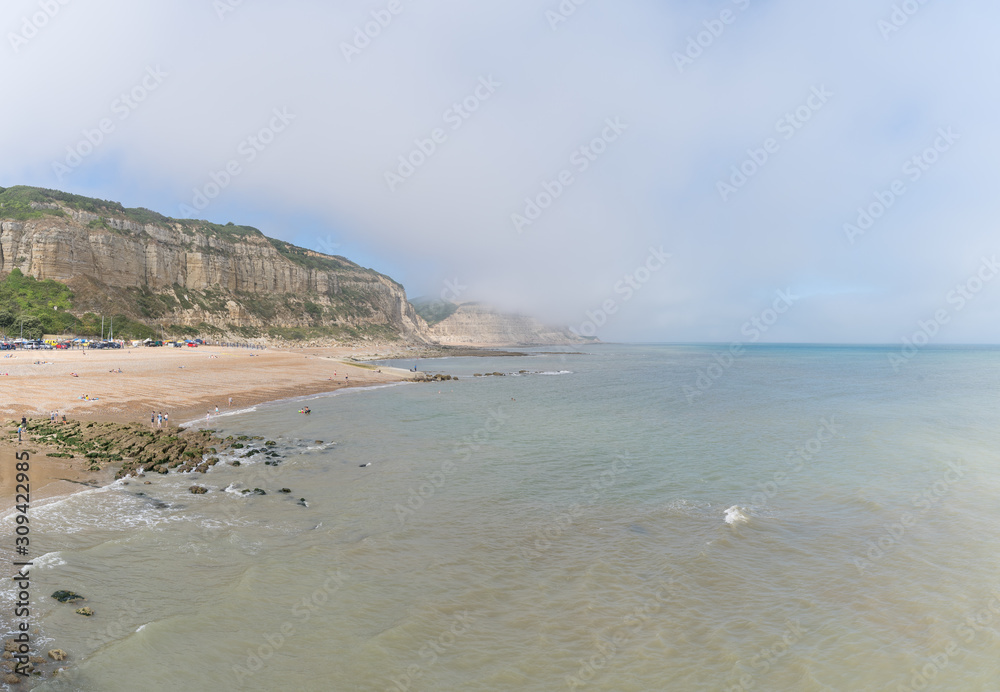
[36,659]
[9,646]
[84,611]
[65,597]
[258,491]
[234,462]
[271,443]
[57,654]
[11,679]
[198,490]
[302,501]
[147,482]
[7,655]
[284,490]
[317,442]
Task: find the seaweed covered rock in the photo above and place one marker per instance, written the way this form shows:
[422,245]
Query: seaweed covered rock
[67,596]
[198,490]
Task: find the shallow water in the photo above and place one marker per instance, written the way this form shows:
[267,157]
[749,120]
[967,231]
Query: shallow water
[811,520]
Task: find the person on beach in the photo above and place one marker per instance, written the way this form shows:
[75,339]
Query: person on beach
[166,419]
[230,402]
[19,429]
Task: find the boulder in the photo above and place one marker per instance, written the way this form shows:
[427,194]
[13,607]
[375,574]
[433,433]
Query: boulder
[66,597]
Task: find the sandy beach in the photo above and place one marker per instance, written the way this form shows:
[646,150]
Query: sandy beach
[186,383]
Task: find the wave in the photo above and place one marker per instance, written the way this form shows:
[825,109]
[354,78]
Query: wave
[291,400]
[735,515]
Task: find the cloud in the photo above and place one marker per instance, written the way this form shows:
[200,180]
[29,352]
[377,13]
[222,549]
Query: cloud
[490,103]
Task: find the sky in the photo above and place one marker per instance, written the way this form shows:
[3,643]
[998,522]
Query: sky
[734,170]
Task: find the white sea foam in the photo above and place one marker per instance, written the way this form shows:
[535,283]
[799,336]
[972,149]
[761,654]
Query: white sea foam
[220,414]
[556,372]
[734,515]
[53,559]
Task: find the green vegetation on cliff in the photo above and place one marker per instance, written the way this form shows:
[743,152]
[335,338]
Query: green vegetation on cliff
[433,311]
[349,302]
[22,203]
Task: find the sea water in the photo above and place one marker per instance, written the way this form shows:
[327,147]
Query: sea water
[625,518]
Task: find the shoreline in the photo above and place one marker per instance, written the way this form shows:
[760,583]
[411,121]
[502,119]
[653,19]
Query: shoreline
[188,384]
[184,383]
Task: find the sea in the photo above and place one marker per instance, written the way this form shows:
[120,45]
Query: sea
[603,518]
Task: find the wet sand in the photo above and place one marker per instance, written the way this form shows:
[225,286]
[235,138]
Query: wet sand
[186,383]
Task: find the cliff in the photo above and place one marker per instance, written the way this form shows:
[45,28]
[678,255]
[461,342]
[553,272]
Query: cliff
[472,324]
[164,271]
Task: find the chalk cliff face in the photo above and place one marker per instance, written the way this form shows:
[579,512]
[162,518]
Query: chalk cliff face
[473,324]
[190,273]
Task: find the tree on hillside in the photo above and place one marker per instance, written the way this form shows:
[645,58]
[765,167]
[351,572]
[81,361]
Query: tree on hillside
[32,327]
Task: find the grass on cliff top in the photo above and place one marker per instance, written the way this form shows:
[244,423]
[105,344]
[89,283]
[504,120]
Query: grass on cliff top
[16,204]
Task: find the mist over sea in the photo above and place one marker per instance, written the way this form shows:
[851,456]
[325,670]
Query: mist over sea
[629,518]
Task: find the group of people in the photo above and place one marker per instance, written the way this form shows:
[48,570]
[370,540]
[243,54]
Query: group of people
[159,419]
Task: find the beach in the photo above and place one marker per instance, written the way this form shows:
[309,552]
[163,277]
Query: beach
[186,383]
